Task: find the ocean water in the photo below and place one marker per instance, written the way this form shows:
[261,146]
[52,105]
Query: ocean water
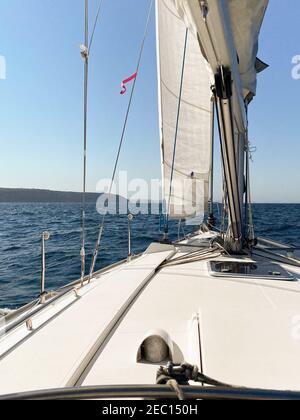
[21,226]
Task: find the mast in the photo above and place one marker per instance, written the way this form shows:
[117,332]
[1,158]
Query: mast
[229,157]
[85,56]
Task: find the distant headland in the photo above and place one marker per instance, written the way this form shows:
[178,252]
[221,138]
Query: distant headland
[20,195]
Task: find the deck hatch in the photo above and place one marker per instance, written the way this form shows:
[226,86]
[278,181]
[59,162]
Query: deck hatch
[255,270]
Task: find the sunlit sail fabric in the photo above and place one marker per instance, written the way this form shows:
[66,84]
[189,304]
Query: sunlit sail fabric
[246,18]
[192,167]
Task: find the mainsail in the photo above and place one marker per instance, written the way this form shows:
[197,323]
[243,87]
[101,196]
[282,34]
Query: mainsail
[192,163]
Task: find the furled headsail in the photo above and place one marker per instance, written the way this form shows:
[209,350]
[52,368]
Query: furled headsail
[247,18]
[245,21]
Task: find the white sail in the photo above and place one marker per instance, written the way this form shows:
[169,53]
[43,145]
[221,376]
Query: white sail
[246,18]
[192,167]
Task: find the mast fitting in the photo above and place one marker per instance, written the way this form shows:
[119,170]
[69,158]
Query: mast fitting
[223,86]
[204,8]
[84,51]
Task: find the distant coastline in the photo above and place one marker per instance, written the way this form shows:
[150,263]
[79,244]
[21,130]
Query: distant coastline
[33,195]
[21,195]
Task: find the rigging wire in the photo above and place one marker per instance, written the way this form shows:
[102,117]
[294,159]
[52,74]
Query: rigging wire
[224,209]
[95,24]
[85,56]
[211,218]
[249,208]
[224,185]
[176,135]
[85,53]
[181,229]
[249,224]
[192,255]
[207,257]
[101,228]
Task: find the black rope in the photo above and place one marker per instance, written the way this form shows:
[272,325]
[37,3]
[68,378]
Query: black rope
[183,374]
[166,230]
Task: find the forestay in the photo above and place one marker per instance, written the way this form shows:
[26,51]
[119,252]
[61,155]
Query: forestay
[192,167]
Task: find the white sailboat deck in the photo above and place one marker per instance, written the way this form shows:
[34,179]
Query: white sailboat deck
[236,329]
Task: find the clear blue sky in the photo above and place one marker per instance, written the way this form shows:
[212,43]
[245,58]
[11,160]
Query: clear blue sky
[41,100]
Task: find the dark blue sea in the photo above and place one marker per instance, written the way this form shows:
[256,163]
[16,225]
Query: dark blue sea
[22,224]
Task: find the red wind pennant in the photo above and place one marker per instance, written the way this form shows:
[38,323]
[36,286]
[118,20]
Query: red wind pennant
[125,82]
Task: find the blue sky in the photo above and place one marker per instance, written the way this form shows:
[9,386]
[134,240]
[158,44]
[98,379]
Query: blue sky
[41,99]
